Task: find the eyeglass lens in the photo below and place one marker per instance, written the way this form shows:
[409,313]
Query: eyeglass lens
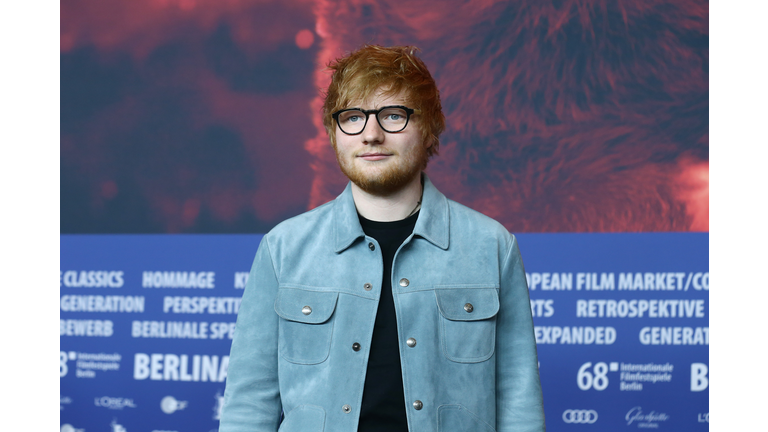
[390,119]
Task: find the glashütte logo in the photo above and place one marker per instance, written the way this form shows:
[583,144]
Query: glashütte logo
[580,416]
[66,427]
[116,403]
[650,420]
[170,405]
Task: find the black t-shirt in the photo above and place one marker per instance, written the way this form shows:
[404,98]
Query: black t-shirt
[383,408]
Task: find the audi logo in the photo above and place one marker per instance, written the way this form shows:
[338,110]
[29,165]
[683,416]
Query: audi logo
[579,416]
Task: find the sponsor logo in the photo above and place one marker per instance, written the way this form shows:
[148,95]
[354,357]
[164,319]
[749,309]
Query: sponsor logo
[66,427]
[116,403]
[580,416]
[170,405]
[651,420]
[116,427]
[703,418]
[64,400]
[217,407]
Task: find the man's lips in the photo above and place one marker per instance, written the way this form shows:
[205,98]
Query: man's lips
[374,156]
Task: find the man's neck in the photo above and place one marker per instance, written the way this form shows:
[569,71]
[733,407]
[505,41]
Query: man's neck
[393,207]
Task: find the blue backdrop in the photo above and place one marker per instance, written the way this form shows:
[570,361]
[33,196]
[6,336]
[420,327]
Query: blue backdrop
[622,323]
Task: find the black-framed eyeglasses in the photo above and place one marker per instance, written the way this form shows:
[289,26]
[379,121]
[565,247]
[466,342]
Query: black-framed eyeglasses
[392,119]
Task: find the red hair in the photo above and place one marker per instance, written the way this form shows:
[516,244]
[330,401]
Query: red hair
[360,74]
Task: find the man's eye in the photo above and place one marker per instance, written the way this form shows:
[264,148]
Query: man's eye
[351,117]
[394,117]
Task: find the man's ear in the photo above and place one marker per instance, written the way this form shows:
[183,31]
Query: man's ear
[331,138]
[427,142]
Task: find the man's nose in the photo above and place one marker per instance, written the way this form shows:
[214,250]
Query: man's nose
[373,133]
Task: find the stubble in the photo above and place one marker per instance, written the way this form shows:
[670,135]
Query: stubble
[392,178]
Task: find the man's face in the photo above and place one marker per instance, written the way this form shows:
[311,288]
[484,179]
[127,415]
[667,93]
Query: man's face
[378,162]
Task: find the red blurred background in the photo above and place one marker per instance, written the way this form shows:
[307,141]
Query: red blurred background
[562,116]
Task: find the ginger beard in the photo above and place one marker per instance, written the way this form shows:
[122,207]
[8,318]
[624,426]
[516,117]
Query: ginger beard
[382,178]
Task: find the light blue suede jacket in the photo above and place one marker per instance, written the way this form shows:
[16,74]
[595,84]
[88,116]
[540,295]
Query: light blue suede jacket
[460,293]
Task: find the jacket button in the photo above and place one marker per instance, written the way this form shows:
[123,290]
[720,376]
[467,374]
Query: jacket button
[347,409]
[355,346]
[468,307]
[417,405]
[404,282]
[371,246]
[411,342]
[306,310]
[368,287]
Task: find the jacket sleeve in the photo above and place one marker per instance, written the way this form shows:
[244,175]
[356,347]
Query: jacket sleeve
[519,403]
[252,395]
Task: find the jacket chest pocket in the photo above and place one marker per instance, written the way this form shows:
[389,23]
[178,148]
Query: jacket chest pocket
[306,326]
[467,323]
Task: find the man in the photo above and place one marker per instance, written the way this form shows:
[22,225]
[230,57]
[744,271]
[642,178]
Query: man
[390,308]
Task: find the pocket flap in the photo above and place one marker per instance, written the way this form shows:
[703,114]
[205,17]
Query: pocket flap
[310,307]
[467,304]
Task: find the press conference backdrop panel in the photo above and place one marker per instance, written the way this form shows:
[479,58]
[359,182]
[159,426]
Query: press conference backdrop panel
[621,321]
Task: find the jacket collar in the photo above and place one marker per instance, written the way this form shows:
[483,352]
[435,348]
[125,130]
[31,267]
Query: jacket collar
[433,223]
